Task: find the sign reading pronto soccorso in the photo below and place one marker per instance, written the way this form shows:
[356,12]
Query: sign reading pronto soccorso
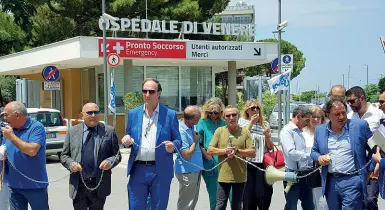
[175,27]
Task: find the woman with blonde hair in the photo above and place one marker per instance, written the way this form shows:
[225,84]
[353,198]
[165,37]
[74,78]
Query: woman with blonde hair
[212,112]
[317,118]
[257,193]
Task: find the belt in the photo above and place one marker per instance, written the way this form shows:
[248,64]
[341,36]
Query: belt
[147,163]
[336,174]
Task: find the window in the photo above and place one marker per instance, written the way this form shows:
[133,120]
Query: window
[196,85]
[48,119]
[168,77]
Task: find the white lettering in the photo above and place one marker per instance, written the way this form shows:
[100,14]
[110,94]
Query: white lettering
[195,27]
[157,46]
[125,23]
[216,29]
[135,25]
[243,30]
[115,25]
[174,27]
[252,30]
[187,27]
[235,29]
[145,25]
[164,27]
[156,26]
[130,45]
[226,28]
[207,27]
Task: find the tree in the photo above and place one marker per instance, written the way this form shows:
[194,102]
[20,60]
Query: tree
[8,88]
[286,48]
[12,38]
[48,27]
[371,91]
[307,96]
[381,84]
[268,102]
[132,100]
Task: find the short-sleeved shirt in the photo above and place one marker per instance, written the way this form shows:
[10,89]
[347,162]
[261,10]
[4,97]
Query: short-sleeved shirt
[33,167]
[233,170]
[187,135]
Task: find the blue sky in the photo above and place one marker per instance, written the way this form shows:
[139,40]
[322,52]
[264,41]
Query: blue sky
[332,34]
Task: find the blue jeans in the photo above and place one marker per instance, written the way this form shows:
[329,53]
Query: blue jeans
[371,202]
[299,191]
[37,199]
[344,192]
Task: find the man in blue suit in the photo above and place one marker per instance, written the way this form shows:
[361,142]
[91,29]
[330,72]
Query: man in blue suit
[340,147]
[152,132]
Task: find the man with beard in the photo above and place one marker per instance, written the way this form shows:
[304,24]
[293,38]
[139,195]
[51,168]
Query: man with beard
[361,109]
[340,147]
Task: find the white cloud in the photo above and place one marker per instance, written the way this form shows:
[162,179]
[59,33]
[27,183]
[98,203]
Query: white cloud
[308,13]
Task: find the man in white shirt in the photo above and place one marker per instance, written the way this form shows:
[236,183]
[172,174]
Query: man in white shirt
[361,109]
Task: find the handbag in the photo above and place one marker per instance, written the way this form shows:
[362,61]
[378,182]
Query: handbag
[274,158]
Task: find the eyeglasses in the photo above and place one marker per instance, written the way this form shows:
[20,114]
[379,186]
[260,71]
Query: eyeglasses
[351,101]
[93,112]
[381,102]
[254,108]
[231,115]
[151,92]
[210,113]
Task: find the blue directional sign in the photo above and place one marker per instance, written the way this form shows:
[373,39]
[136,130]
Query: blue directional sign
[286,59]
[274,66]
[51,74]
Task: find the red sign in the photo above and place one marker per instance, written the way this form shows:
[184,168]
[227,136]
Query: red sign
[138,48]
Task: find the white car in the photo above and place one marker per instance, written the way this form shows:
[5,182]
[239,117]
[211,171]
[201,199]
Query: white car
[273,119]
[55,127]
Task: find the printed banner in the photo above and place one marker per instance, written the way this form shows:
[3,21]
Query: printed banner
[280,82]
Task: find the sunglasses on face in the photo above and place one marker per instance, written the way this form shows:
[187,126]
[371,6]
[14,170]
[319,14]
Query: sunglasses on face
[231,115]
[381,102]
[151,92]
[93,112]
[211,113]
[254,108]
[351,101]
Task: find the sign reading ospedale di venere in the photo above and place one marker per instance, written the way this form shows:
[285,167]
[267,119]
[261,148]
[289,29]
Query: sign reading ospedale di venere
[175,27]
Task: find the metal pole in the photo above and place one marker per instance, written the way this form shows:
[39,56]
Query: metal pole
[105,66]
[367,75]
[348,76]
[279,68]
[343,80]
[146,18]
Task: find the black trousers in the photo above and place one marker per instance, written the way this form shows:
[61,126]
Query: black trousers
[371,201]
[223,193]
[257,194]
[88,200]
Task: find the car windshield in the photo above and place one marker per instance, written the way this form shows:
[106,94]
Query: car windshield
[48,119]
[292,107]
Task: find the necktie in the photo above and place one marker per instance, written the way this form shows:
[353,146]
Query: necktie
[88,153]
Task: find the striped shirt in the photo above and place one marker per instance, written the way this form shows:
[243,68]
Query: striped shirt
[257,137]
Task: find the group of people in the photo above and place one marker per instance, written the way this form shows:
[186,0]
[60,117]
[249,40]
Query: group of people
[335,139]
[214,142]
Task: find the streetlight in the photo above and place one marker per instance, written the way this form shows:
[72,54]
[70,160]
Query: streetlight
[281,25]
[367,74]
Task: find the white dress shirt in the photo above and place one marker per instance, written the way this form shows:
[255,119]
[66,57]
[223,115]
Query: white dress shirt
[373,116]
[146,150]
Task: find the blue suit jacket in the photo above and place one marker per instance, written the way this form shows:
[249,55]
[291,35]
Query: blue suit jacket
[167,130]
[381,175]
[359,133]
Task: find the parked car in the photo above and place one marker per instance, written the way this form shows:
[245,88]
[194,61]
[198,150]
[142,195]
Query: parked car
[273,119]
[55,127]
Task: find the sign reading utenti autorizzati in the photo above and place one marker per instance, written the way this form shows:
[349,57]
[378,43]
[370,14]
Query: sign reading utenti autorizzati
[175,27]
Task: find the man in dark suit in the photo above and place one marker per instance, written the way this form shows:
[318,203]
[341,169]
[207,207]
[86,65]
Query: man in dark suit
[151,168]
[90,151]
[340,147]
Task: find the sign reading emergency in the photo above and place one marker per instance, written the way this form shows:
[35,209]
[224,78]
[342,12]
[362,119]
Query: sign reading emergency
[134,48]
[201,50]
[51,86]
[175,27]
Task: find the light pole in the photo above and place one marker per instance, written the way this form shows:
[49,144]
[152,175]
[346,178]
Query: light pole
[343,80]
[105,65]
[348,76]
[367,74]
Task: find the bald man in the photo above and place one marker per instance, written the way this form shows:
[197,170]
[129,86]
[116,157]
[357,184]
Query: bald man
[338,90]
[90,149]
[189,175]
[25,140]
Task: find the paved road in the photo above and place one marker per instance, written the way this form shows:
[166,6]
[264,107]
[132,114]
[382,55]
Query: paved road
[59,199]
